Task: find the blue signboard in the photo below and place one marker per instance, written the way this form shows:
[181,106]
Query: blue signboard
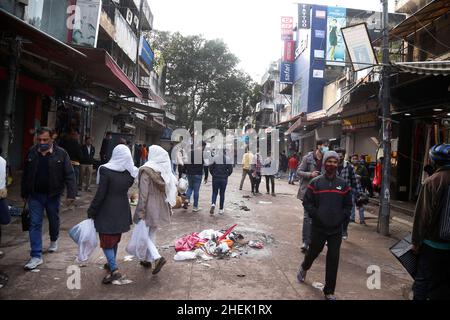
[286,72]
[146,53]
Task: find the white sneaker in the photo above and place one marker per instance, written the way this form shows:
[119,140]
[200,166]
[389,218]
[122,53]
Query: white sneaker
[53,246]
[221,211]
[33,263]
[196,209]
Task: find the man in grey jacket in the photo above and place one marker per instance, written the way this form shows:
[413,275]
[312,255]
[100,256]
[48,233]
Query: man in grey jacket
[309,168]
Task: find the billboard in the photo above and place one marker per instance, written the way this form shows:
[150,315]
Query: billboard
[304,16]
[286,72]
[146,53]
[359,46]
[287,26]
[289,51]
[87,19]
[336,19]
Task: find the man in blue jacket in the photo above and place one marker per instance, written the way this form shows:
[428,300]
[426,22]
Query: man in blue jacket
[328,201]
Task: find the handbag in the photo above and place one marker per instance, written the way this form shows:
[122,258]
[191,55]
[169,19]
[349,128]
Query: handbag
[25,218]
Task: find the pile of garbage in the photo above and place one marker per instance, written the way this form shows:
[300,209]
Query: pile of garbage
[209,244]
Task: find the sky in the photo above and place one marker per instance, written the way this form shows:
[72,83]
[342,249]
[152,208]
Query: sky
[250,28]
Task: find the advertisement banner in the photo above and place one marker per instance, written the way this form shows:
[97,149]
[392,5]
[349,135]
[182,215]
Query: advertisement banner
[146,53]
[289,51]
[286,72]
[359,46]
[84,31]
[304,16]
[336,19]
[287,26]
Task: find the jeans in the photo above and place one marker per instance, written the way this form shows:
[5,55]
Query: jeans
[306,231]
[246,172]
[361,211]
[256,180]
[292,174]
[272,180]
[318,239]
[194,186]
[36,204]
[219,185]
[111,255]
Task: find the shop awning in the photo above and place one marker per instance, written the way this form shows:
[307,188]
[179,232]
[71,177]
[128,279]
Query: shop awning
[39,43]
[420,19]
[434,68]
[295,126]
[103,71]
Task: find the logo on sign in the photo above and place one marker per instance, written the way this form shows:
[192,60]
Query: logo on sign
[304,21]
[321,14]
[319,33]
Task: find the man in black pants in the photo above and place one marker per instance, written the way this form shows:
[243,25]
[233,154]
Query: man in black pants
[328,201]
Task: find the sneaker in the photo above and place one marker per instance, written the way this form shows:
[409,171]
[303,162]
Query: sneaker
[53,246]
[330,297]
[109,278]
[159,264]
[196,209]
[185,204]
[221,212]
[33,263]
[211,211]
[301,275]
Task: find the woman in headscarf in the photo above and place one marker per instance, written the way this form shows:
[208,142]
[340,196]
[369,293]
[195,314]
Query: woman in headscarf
[110,208]
[157,196]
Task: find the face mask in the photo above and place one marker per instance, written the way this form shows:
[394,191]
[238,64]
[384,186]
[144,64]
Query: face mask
[44,146]
[324,149]
[330,169]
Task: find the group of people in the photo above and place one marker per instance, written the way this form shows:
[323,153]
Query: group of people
[49,170]
[255,167]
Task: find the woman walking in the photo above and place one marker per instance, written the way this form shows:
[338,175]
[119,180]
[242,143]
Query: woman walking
[220,168]
[157,196]
[110,208]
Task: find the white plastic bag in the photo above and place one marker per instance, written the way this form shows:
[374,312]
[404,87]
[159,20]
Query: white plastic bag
[85,236]
[185,255]
[139,245]
[182,185]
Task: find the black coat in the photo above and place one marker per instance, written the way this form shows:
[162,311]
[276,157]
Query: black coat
[88,157]
[110,208]
[61,173]
[73,148]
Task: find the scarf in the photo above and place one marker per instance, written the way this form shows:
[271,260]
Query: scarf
[121,160]
[158,160]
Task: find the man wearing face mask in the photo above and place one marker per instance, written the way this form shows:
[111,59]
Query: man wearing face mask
[328,202]
[346,171]
[309,168]
[47,171]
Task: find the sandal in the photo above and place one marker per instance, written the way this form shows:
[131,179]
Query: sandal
[109,278]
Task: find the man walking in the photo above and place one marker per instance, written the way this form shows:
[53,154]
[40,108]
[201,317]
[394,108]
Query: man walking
[87,163]
[310,167]
[292,164]
[328,202]
[47,170]
[247,159]
[345,171]
[431,234]
[194,172]
[106,148]
[362,176]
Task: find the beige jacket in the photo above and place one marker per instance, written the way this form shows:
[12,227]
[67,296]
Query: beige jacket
[152,205]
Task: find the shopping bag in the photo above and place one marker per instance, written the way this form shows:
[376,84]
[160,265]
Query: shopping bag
[25,218]
[402,251]
[139,243]
[85,236]
[182,185]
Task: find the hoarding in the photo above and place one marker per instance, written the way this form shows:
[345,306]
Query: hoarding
[87,19]
[287,26]
[286,72]
[289,51]
[304,16]
[336,19]
[146,54]
[359,46]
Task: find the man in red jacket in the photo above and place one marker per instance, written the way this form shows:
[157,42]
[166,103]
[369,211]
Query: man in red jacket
[292,165]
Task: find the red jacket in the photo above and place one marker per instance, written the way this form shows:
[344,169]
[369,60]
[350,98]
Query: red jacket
[293,163]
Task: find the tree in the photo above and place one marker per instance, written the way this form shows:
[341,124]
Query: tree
[202,81]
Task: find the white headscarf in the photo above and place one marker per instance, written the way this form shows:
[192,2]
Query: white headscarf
[158,160]
[120,161]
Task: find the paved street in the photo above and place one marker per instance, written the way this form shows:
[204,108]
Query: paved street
[268,273]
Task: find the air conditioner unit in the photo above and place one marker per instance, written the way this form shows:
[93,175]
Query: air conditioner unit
[129,16]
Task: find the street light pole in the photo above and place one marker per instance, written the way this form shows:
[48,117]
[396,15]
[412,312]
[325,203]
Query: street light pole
[383,218]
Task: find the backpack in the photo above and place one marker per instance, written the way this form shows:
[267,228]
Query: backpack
[444,217]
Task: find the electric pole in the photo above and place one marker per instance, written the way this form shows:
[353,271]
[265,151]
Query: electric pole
[383,218]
